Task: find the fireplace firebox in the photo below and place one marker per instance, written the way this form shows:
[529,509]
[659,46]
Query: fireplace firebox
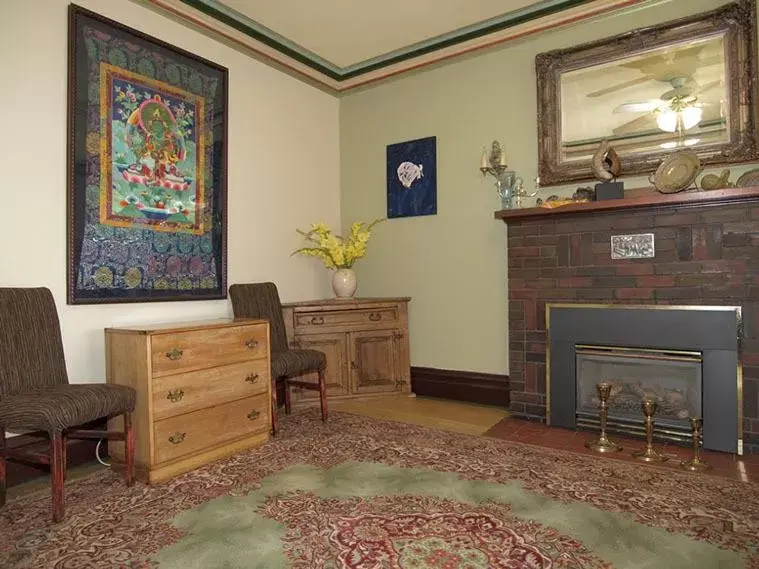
[671,378]
[686,358]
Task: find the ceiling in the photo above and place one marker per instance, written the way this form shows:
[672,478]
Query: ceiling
[346,43]
[349,32]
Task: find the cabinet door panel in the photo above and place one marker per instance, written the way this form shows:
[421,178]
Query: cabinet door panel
[335,347]
[374,361]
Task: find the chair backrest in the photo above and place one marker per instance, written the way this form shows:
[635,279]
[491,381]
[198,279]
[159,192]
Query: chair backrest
[261,300]
[31,349]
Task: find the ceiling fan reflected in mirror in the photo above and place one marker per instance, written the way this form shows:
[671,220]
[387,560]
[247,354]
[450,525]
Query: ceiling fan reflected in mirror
[676,110]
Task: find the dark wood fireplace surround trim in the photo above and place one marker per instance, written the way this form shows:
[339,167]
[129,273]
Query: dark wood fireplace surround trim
[646,198]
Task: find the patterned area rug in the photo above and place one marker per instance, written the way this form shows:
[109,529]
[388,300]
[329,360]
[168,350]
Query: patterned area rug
[362,493]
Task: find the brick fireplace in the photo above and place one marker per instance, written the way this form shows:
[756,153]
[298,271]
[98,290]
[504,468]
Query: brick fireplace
[706,253]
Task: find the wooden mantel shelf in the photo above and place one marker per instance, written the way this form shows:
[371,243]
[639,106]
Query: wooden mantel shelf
[653,200]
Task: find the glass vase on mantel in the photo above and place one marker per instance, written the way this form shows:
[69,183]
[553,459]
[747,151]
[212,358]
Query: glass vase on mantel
[344,283]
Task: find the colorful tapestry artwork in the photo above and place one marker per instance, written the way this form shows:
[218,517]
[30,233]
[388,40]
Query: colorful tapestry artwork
[147,168]
[149,171]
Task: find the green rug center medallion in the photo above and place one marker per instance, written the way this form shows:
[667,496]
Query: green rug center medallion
[369,515]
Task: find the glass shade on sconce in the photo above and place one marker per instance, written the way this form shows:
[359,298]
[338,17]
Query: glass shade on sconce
[668,120]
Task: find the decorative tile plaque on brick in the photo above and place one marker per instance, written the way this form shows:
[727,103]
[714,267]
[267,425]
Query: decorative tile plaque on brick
[638,246]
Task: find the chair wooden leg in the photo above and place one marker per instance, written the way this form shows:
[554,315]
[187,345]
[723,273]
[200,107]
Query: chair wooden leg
[2,466]
[288,402]
[274,416]
[128,450]
[323,394]
[65,452]
[57,473]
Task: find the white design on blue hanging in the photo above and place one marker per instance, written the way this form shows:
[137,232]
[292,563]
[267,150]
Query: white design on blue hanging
[408,173]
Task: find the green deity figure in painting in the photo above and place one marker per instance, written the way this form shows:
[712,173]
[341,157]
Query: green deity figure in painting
[153,138]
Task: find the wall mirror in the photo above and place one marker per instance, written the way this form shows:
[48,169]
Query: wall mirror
[685,83]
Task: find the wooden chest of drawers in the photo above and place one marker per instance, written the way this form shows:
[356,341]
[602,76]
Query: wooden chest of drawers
[203,391]
[365,340]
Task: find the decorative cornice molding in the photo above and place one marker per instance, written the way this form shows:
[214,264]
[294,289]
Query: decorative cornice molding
[232,27]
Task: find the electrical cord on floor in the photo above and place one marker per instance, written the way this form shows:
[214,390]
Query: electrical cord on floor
[97,454]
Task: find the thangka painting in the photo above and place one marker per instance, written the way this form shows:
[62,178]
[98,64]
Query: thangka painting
[147,167]
[412,178]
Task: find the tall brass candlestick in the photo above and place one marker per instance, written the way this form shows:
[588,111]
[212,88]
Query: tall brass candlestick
[649,454]
[695,464]
[602,443]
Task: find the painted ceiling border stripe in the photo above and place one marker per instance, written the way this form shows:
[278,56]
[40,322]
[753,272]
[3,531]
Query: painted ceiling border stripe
[183,13]
[605,9]
[301,55]
[473,31]
[180,10]
[251,24]
[259,36]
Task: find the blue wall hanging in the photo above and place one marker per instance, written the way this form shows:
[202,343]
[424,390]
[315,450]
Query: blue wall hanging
[412,178]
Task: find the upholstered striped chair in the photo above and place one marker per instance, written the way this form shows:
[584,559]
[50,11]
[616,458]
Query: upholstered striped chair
[35,394]
[261,300]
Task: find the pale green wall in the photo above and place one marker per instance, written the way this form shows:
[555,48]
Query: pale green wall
[454,264]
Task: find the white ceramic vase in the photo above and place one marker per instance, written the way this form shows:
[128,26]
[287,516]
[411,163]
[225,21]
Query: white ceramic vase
[344,283]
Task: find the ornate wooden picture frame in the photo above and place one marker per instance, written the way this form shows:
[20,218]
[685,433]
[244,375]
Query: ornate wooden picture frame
[147,167]
[732,25]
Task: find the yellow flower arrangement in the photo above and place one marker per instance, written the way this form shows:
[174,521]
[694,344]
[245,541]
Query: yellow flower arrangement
[335,251]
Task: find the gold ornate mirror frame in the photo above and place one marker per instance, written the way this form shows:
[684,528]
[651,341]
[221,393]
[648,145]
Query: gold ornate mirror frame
[732,25]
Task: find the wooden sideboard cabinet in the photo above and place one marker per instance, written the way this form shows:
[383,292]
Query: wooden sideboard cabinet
[203,392]
[365,339]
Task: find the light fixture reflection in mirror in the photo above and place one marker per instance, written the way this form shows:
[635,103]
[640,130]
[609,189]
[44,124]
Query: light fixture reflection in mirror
[669,120]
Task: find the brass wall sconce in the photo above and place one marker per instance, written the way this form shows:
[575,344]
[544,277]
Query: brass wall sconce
[494,163]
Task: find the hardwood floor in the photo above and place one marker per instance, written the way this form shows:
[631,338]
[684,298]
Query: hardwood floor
[467,418]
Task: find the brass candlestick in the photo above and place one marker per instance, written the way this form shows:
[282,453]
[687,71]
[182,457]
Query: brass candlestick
[649,454]
[602,443]
[695,464]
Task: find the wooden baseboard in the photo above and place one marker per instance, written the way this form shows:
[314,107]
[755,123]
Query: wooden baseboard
[469,386]
[79,452]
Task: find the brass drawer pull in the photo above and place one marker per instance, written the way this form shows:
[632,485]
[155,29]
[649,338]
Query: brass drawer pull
[175,395]
[375,316]
[253,415]
[251,343]
[174,354]
[317,320]
[252,378]
[177,438]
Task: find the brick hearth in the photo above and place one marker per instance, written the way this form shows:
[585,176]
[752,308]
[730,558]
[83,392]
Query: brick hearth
[704,255]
